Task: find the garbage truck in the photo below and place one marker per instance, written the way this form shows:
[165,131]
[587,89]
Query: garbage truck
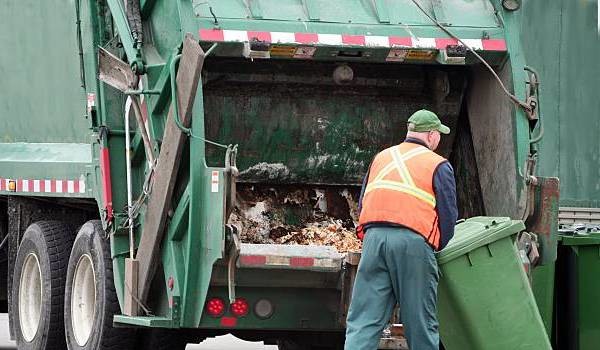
[176,170]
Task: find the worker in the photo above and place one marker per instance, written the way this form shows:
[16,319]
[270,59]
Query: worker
[407,212]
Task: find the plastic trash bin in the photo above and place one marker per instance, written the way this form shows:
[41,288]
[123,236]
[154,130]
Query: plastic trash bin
[578,292]
[485,301]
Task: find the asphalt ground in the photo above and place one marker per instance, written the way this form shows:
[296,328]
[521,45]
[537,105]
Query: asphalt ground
[226,342]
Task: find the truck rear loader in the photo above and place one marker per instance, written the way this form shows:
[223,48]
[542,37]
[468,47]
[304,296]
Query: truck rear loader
[176,170]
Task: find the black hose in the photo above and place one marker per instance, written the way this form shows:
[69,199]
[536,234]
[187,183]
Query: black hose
[80,44]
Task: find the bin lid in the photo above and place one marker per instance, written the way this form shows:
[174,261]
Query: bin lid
[476,232]
[581,239]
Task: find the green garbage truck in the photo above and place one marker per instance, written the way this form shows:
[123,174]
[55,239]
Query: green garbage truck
[176,170]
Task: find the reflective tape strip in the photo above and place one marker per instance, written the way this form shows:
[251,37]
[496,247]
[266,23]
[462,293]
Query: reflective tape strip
[474,44]
[276,260]
[377,41]
[400,187]
[211,35]
[398,41]
[260,36]
[402,169]
[406,156]
[282,38]
[253,260]
[493,45]
[214,182]
[235,35]
[406,183]
[228,35]
[302,262]
[294,262]
[443,43]
[306,38]
[423,43]
[355,40]
[44,185]
[330,39]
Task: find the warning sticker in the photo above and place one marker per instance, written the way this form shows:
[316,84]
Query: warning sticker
[305,52]
[421,55]
[397,55]
[214,182]
[283,51]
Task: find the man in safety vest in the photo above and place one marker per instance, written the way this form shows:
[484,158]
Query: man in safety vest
[407,212]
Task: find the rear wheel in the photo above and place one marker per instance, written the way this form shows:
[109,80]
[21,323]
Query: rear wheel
[39,275]
[90,301]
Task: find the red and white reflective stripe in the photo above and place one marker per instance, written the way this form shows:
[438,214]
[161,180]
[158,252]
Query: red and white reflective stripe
[44,185]
[91,101]
[220,35]
[214,182]
[286,261]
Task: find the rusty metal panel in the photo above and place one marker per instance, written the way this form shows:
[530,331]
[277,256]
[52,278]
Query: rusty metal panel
[543,221]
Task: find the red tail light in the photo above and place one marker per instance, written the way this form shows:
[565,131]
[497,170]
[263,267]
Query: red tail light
[215,307]
[240,307]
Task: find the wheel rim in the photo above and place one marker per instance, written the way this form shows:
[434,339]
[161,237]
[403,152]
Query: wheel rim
[83,300]
[30,297]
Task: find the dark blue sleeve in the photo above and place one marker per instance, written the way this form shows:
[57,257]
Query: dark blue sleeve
[362,190]
[444,186]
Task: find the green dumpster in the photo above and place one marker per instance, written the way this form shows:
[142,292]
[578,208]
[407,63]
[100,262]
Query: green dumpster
[578,292]
[484,298]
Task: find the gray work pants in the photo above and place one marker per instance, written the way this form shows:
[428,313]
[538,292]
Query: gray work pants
[396,266]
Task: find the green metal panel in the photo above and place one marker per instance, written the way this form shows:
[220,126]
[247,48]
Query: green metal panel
[478,13]
[316,309]
[64,162]
[580,48]
[561,40]
[41,97]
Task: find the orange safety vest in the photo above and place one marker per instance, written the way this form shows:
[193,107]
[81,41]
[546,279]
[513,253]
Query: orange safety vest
[400,190]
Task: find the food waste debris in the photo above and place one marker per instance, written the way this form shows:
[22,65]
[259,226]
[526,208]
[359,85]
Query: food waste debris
[267,215]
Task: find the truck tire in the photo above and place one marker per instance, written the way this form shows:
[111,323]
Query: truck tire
[90,299]
[39,285]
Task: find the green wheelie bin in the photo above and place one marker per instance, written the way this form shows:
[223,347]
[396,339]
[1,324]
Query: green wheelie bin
[485,301]
[578,292]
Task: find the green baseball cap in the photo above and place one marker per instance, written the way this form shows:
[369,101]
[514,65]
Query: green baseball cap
[425,120]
